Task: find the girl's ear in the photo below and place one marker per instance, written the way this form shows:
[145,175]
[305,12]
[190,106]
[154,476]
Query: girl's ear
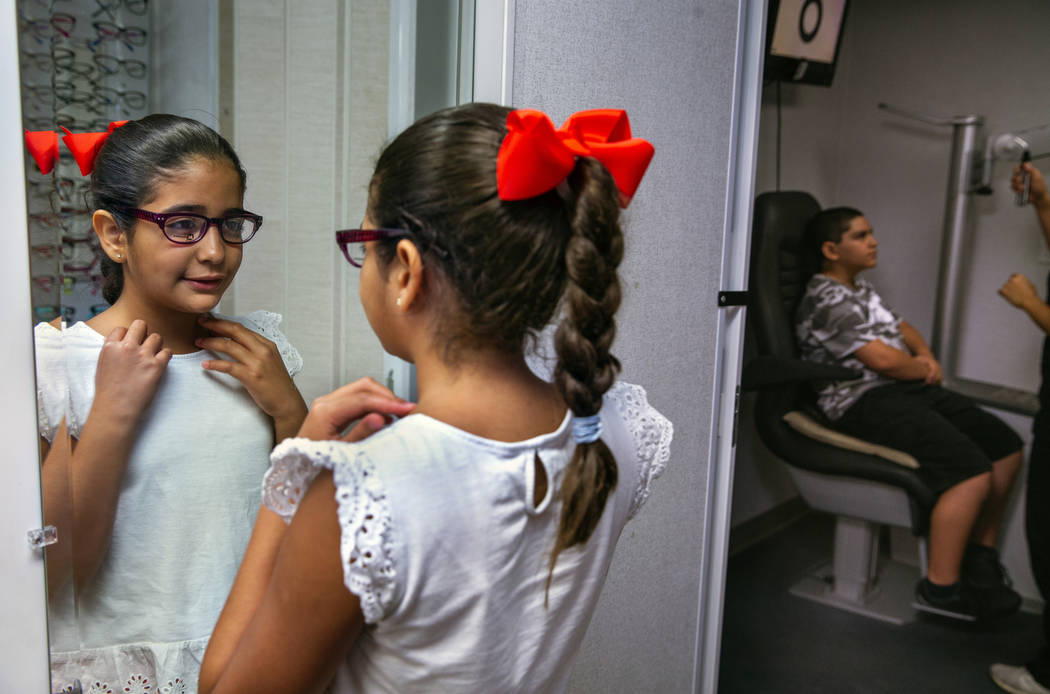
[111,237]
[407,275]
[830,250]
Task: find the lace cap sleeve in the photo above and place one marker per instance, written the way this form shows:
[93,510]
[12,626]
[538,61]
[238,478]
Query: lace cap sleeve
[652,433]
[293,466]
[52,388]
[366,544]
[268,324]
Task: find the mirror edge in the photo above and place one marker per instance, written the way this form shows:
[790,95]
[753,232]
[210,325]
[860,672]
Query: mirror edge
[22,584]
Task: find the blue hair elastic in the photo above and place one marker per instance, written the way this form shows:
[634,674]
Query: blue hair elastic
[587,429]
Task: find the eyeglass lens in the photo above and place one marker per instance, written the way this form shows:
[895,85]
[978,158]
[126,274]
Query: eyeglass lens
[192,229]
[356,252]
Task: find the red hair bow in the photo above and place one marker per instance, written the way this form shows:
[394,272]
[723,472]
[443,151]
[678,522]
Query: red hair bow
[535,158]
[43,146]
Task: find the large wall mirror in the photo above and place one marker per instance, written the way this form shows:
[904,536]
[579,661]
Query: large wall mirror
[307,93]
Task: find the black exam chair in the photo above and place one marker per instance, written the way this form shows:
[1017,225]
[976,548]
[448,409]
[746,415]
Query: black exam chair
[863,485]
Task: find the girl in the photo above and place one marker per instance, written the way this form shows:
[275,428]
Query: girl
[170,411]
[464,547]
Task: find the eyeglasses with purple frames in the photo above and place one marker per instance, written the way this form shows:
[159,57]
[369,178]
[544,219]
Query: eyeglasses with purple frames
[187,228]
[352,241]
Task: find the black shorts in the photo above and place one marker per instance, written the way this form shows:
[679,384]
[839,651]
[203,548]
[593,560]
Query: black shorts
[952,438]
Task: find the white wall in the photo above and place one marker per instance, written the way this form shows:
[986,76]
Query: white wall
[183,60]
[942,57]
[671,68]
[437,55]
[309,85]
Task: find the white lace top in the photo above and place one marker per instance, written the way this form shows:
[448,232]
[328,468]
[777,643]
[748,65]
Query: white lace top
[442,543]
[185,512]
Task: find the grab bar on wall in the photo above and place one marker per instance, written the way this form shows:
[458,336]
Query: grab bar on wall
[964,179]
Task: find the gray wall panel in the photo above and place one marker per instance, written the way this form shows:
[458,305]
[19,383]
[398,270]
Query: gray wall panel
[670,65]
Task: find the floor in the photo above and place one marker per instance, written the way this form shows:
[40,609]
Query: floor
[777,643]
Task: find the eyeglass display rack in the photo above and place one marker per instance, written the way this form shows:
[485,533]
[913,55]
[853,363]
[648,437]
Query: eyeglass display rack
[84,63]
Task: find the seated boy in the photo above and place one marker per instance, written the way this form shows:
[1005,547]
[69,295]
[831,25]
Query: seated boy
[967,456]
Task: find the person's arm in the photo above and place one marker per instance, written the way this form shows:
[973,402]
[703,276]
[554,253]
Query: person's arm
[1038,195]
[919,349]
[1020,292]
[256,362]
[130,366]
[892,362]
[58,506]
[289,619]
[914,340]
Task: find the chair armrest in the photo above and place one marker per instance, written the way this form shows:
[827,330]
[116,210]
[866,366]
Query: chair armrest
[768,372]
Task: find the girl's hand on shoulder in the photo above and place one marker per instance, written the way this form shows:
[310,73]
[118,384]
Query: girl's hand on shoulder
[130,366]
[256,363]
[364,400]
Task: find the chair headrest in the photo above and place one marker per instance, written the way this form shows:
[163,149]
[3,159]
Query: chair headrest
[778,271]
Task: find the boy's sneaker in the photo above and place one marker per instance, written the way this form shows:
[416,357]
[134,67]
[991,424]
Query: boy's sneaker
[986,576]
[959,604]
[1016,679]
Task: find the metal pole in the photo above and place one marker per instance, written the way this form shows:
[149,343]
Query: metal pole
[965,150]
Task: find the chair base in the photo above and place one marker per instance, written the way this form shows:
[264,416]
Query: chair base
[888,599]
[860,579]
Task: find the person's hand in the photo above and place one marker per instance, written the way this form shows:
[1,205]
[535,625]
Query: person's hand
[1018,290]
[130,366]
[364,400]
[933,369]
[1037,192]
[257,364]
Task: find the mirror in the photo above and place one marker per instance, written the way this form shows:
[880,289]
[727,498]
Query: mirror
[306,96]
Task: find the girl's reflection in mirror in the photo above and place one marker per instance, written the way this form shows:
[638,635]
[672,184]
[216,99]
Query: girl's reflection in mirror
[171,412]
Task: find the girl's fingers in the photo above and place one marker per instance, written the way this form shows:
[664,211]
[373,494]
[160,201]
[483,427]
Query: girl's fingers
[220,365]
[137,331]
[116,334]
[328,418]
[235,331]
[153,344]
[230,347]
[368,425]
[360,386]
[365,400]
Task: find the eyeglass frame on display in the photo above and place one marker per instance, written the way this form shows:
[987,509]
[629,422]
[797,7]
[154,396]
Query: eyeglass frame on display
[114,4]
[137,73]
[35,27]
[123,34]
[133,100]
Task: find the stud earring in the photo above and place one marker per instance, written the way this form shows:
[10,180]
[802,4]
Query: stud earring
[398,302]
[118,256]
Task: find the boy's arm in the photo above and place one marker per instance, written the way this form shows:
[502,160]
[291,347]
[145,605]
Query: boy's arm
[897,364]
[914,340]
[921,351]
[1020,292]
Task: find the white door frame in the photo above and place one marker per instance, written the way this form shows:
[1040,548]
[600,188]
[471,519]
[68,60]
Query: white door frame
[736,251]
[24,665]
